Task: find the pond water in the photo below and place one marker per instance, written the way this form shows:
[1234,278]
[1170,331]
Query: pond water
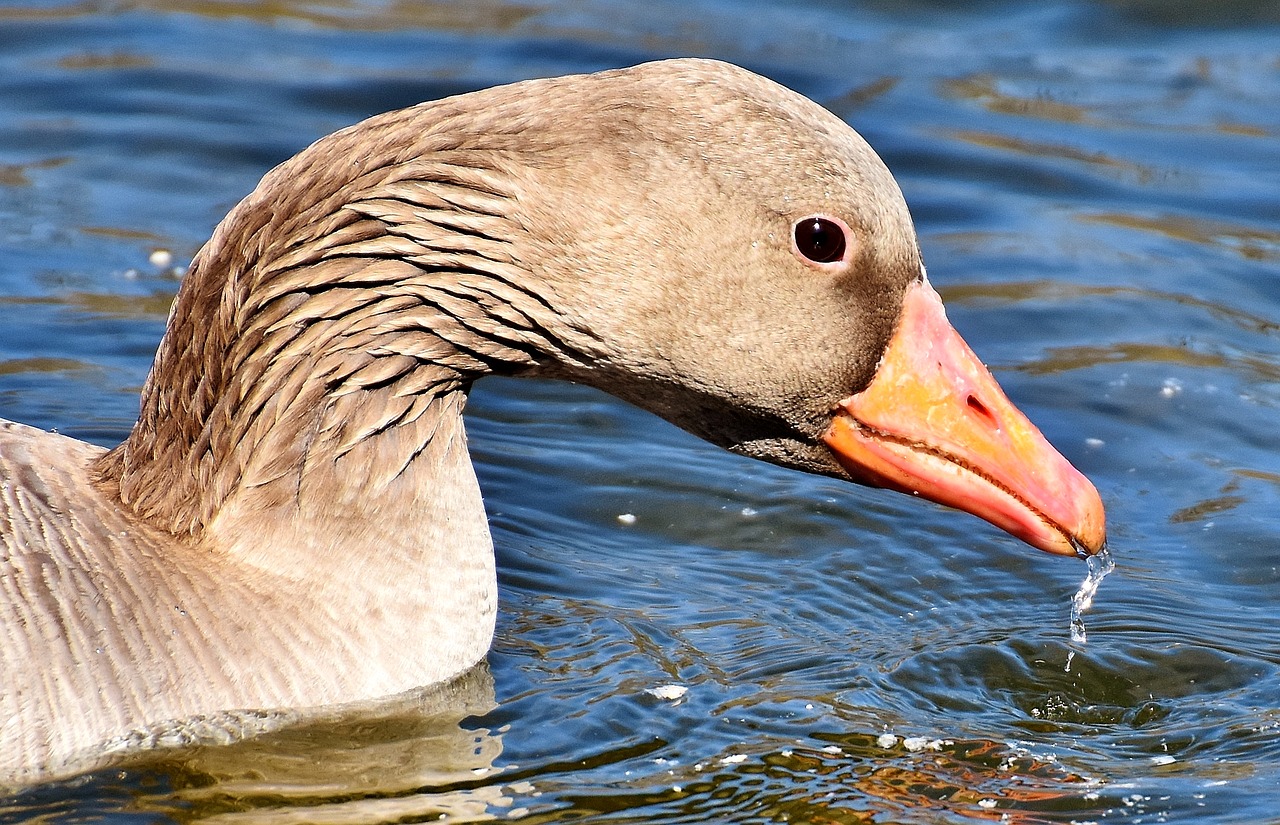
[687,636]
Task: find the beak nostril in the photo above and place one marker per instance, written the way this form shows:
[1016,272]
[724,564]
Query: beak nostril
[981,409]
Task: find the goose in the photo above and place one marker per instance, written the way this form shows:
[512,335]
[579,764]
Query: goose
[294,522]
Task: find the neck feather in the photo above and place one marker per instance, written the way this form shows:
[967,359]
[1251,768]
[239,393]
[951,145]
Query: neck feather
[323,321]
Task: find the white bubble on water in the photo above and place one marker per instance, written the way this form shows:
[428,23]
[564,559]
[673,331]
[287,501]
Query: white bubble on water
[669,693]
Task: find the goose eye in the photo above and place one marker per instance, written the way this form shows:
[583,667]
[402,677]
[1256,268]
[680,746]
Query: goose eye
[819,239]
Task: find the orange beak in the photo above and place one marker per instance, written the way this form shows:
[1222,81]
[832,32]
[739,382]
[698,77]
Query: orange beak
[933,422]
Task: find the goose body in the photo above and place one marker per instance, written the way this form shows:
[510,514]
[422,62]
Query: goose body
[294,522]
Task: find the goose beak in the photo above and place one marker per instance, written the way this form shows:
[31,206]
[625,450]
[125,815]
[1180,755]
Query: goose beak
[933,422]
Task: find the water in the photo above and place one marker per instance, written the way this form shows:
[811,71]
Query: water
[1099,567]
[1095,188]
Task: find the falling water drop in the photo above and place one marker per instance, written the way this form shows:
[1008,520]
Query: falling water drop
[1099,566]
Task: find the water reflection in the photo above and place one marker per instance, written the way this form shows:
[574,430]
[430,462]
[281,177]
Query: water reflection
[1207,508]
[854,778]
[17,366]
[154,305]
[111,61]
[1011,293]
[342,15]
[1248,242]
[1141,174]
[18,174]
[861,95]
[417,758]
[986,90]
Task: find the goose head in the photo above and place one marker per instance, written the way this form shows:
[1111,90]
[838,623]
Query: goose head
[751,271]
[685,235]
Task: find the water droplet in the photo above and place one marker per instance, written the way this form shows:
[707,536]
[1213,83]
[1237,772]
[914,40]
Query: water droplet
[1099,566]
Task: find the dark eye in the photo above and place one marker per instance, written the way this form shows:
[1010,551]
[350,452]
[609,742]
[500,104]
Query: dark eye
[821,240]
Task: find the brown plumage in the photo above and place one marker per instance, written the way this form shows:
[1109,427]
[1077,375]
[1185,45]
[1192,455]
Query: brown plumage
[294,521]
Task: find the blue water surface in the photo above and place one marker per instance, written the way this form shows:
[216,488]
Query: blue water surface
[1096,184]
